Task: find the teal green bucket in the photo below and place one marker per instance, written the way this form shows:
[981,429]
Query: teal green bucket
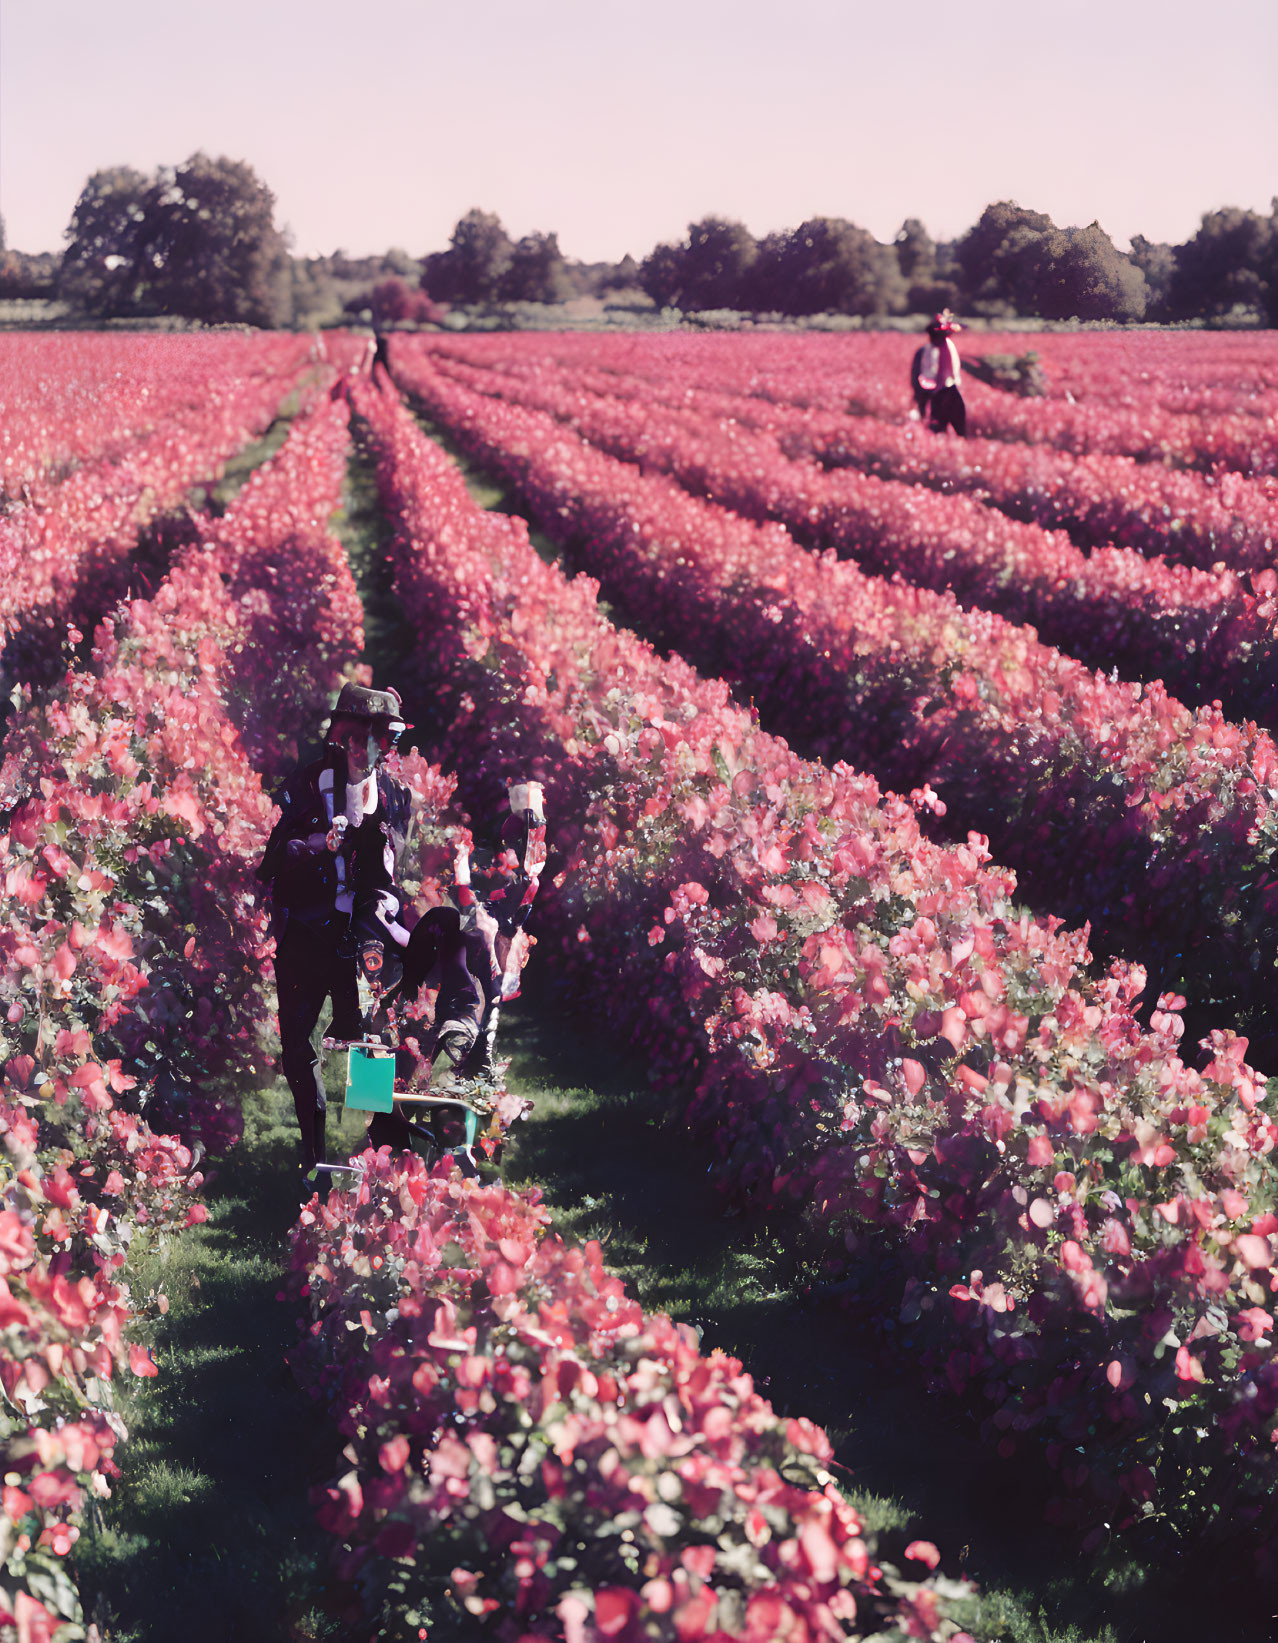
[370,1080]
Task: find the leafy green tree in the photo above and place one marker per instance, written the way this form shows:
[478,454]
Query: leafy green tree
[926,268]
[1082,275]
[398,262]
[313,296]
[716,264]
[1000,259]
[211,250]
[828,265]
[199,241]
[915,252]
[1267,265]
[536,272]
[1223,266]
[472,268]
[102,267]
[1157,262]
[661,274]
[623,276]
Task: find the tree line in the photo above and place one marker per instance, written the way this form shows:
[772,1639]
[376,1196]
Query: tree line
[200,240]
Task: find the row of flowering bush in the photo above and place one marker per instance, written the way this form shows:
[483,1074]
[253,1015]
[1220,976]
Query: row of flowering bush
[1205,520]
[111,801]
[290,579]
[67,555]
[79,397]
[574,1467]
[1205,373]
[1072,1224]
[1119,804]
[869,375]
[131,981]
[1203,633]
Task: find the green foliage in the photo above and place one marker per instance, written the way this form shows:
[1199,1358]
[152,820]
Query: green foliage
[199,241]
[1014,373]
[1226,266]
[1015,261]
[536,271]
[1157,262]
[101,269]
[825,266]
[998,258]
[715,265]
[828,266]
[661,274]
[212,251]
[474,266]
[1084,276]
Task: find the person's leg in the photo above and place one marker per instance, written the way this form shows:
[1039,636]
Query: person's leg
[435,930]
[459,1008]
[948,411]
[390,1129]
[302,981]
[483,965]
[343,976]
[479,1062]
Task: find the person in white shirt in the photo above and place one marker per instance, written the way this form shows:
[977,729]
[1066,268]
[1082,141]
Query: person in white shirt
[935,375]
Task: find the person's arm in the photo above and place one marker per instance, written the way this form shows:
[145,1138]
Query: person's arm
[293,833]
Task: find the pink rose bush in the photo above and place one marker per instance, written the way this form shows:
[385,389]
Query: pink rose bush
[73,398]
[1220,516]
[131,982]
[1199,373]
[868,374]
[1120,805]
[1202,630]
[66,543]
[986,1147]
[576,1467]
[291,583]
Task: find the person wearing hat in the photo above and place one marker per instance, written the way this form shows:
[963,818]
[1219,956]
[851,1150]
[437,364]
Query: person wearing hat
[330,857]
[935,375]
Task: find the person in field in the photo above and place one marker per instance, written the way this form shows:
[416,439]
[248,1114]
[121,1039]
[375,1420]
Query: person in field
[472,952]
[332,854]
[336,911]
[935,375]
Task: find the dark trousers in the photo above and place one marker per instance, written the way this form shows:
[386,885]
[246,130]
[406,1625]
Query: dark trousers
[947,410]
[458,961]
[309,970]
[440,953]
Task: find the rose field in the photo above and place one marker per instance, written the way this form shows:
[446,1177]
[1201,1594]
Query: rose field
[891,1249]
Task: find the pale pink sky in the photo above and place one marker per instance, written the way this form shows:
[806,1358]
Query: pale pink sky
[378,122]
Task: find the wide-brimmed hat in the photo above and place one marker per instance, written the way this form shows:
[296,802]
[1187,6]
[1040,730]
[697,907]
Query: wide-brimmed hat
[362,702]
[944,322]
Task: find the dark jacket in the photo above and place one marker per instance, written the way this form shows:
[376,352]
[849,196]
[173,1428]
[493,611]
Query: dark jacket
[306,886]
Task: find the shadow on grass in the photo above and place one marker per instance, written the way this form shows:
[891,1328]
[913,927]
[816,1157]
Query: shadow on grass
[210,1534]
[612,1165]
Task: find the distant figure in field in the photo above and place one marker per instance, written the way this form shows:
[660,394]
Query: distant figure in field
[935,376]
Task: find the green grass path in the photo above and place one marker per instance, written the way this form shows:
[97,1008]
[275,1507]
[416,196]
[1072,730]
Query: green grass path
[210,1534]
